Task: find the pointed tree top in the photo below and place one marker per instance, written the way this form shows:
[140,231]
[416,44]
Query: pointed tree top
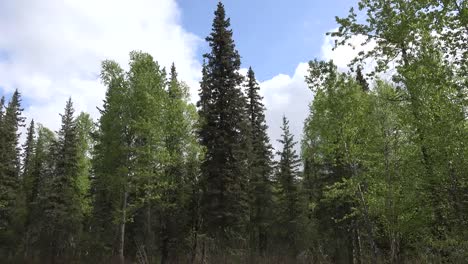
[173,72]
[14,108]
[68,108]
[220,21]
[287,136]
[252,86]
[250,73]
[361,80]
[16,97]
[2,105]
[285,122]
[174,89]
[220,9]
[30,134]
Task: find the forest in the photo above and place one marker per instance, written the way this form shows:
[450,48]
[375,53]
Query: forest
[380,174]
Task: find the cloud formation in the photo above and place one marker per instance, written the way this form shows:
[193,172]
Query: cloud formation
[52,49]
[289,96]
[343,55]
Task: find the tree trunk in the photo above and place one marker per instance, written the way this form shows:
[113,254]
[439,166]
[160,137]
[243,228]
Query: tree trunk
[164,240]
[122,229]
[262,237]
[369,228]
[356,245]
[164,249]
[149,234]
[194,242]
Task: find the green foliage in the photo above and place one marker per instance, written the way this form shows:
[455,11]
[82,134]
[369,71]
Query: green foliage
[110,160]
[382,179]
[377,166]
[2,111]
[289,210]
[178,206]
[62,210]
[423,39]
[145,161]
[260,168]
[28,158]
[85,128]
[223,127]
[36,189]
[10,187]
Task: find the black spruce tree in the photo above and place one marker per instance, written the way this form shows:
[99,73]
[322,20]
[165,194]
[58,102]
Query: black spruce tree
[224,205]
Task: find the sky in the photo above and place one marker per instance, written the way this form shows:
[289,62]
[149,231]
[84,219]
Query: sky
[271,36]
[52,49]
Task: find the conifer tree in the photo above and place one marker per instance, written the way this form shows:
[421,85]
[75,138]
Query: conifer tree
[28,168]
[289,205]
[28,147]
[36,191]
[62,208]
[175,224]
[260,166]
[172,205]
[2,137]
[361,80]
[10,167]
[222,114]
[2,112]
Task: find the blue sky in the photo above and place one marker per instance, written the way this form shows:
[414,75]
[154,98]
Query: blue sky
[52,49]
[271,36]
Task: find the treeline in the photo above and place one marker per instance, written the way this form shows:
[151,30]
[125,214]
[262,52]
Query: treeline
[382,176]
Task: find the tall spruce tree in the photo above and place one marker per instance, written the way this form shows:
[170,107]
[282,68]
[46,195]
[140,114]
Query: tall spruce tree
[28,167]
[260,167]
[36,191]
[10,167]
[289,205]
[2,137]
[28,149]
[222,114]
[62,203]
[2,111]
[28,157]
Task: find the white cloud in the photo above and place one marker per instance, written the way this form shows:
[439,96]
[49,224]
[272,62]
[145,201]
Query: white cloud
[289,96]
[54,48]
[344,54]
